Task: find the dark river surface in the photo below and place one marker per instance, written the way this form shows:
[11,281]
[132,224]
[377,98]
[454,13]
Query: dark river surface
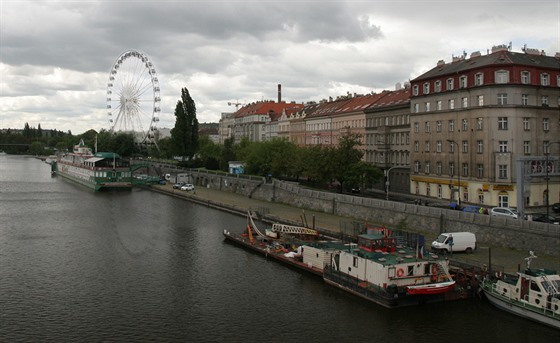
[141,266]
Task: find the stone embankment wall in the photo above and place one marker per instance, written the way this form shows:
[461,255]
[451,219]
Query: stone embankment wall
[430,221]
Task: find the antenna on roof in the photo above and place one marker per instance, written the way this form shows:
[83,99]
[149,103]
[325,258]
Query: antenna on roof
[236,104]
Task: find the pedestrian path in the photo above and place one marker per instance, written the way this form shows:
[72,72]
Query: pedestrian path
[508,260]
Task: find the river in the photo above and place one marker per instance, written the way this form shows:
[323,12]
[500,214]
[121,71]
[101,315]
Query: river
[142,266]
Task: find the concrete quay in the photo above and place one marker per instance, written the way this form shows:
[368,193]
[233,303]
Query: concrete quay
[502,259]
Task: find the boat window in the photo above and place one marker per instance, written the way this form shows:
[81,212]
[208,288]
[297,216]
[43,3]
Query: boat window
[355,262]
[535,286]
[410,271]
[551,286]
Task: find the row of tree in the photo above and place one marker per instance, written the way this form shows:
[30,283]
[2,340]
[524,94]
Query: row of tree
[321,166]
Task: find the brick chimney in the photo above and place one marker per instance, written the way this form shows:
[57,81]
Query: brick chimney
[279,93]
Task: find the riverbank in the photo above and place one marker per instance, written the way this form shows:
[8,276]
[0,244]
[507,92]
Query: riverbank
[507,260]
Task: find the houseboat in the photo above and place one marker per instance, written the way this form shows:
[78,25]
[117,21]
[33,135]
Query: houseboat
[97,171]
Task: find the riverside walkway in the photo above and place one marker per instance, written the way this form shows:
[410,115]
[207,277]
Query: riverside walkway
[507,260]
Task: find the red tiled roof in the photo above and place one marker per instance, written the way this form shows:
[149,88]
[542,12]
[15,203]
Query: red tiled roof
[264,107]
[390,98]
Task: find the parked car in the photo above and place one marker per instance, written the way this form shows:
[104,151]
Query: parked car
[471,209]
[504,212]
[178,185]
[541,217]
[556,207]
[187,187]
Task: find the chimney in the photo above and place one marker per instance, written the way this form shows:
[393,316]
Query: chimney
[279,93]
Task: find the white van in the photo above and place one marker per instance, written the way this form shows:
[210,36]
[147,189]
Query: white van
[455,242]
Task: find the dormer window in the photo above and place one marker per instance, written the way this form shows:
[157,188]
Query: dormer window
[525,77]
[479,79]
[502,76]
[463,82]
[449,84]
[545,80]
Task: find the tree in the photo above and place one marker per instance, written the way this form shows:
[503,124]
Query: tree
[346,155]
[184,135]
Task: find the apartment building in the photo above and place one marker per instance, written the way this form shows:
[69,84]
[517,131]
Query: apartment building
[477,122]
[387,137]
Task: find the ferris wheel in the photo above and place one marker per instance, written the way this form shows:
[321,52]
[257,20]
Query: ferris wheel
[133,96]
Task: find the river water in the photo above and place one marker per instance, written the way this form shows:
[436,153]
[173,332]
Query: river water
[141,266]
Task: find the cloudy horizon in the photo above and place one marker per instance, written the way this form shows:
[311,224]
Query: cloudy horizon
[56,56]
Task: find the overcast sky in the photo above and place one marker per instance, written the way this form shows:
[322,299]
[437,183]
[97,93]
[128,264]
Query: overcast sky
[56,56]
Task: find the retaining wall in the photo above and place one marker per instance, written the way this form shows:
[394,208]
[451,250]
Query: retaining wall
[430,221]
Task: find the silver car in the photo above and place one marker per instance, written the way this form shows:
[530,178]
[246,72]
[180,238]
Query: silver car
[504,212]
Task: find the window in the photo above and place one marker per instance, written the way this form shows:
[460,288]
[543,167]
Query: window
[526,125]
[451,125]
[480,171]
[355,262]
[525,77]
[438,168]
[465,169]
[545,79]
[502,171]
[427,146]
[439,195]
[464,102]
[416,108]
[417,166]
[502,76]
[525,99]
[415,90]
[463,82]
[502,123]
[465,145]
[503,199]
[427,168]
[416,146]
[465,123]
[546,147]
[427,126]
[479,79]
[527,147]
[416,127]
[479,124]
[438,105]
[502,99]
[480,100]
[449,84]
[479,147]
[451,169]
[437,86]
[544,100]
[545,124]
[427,88]
[503,146]
[427,106]
[438,146]
[438,126]
[451,147]
[451,104]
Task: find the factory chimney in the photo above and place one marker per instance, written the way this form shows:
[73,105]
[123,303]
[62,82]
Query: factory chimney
[279,93]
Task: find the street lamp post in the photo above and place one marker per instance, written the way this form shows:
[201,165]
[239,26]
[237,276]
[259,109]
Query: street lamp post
[458,171]
[547,152]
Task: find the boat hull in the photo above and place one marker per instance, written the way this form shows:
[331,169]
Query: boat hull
[516,308]
[437,288]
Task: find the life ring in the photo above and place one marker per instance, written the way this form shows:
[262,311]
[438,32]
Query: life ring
[400,272]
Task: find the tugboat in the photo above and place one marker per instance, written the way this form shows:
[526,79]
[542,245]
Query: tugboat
[533,294]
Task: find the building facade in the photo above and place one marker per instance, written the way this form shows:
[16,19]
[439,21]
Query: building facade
[477,120]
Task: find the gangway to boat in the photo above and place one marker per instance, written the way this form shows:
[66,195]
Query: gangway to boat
[283,228]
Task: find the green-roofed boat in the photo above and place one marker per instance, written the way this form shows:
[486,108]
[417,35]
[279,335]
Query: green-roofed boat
[533,294]
[97,171]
